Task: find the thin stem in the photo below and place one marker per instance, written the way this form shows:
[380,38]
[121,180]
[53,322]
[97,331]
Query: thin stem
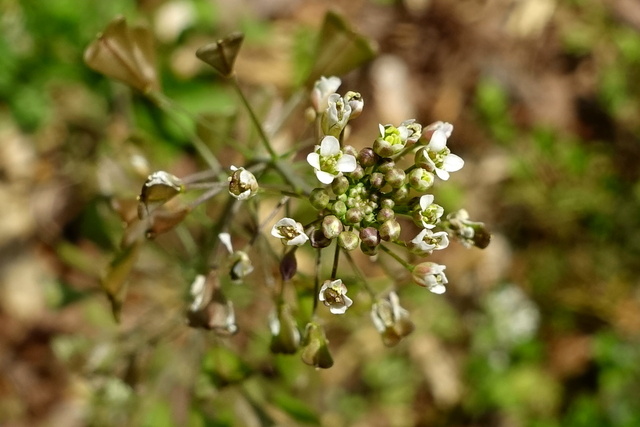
[397,257]
[316,283]
[254,119]
[336,259]
[359,274]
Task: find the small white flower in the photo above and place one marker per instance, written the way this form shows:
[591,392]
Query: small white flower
[324,87]
[441,162]
[427,241]
[441,132]
[329,162]
[426,213]
[242,183]
[431,276]
[334,295]
[197,292]
[290,232]
[336,116]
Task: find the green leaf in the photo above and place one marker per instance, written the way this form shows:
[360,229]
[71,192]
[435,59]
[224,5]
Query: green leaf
[297,408]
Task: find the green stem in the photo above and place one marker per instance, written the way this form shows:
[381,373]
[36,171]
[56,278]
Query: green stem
[336,258]
[254,119]
[360,274]
[397,257]
[316,284]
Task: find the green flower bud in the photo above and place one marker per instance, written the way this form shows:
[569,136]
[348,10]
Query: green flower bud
[319,198]
[348,240]
[386,165]
[289,265]
[340,185]
[370,237]
[331,226]
[420,180]
[387,203]
[390,230]
[367,157]
[401,194]
[350,149]
[385,214]
[368,250]
[339,208]
[376,180]
[315,350]
[357,174]
[354,216]
[395,177]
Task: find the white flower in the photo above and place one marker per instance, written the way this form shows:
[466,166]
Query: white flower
[329,162]
[242,183]
[441,162]
[290,232]
[336,116]
[241,265]
[441,132]
[431,276]
[321,91]
[334,295]
[391,320]
[426,213]
[427,241]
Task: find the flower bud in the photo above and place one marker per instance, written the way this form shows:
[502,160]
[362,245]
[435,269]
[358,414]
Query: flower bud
[339,208]
[210,309]
[315,350]
[319,240]
[420,180]
[285,336]
[319,198]
[289,265]
[241,266]
[331,226]
[368,250]
[395,177]
[401,194]
[340,185]
[385,214]
[350,149]
[357,174]
[386,165]
[387,203]
[348,240]
[390,230]
[390,142]
[367,157]
[354,216]
[414,130]
[370,236]
[322,88]
[376,180]
[242,184]
[355,101]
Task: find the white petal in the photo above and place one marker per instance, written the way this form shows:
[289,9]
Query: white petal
[438,140]
[442,174]
[329,146]
[426,201]
[314,160]
[381,128]
[437,289]
[347,163]
[300,239]
[348,302]
[338,309]
[324,177]
[225,238]
[452,163]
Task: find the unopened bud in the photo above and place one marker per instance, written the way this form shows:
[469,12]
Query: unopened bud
[331,226]
[370,236]
[420,180]
[354,216]
[339,208]
[377,180]
[357,174]
[319,198]
[367,157]
[402,194]
[348,240]
[340,185]
[289,265]
[395,177]
[385,214]
[390,230]
[319,240]
[386,165]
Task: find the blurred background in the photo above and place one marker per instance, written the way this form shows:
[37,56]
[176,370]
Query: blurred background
[540,329]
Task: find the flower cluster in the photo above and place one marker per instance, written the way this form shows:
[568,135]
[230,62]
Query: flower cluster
[369,196]
[377,199]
